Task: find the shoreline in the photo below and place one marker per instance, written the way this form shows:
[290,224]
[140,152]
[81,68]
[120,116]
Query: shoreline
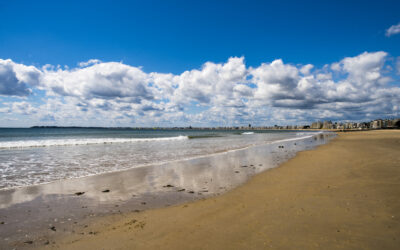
[343,194]
[38,214]
[165,162]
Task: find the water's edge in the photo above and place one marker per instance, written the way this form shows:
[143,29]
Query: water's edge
[29,212]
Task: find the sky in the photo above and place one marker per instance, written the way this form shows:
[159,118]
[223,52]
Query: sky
[198,63]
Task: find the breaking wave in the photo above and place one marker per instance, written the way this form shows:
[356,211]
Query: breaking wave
[84,141]
[247,133]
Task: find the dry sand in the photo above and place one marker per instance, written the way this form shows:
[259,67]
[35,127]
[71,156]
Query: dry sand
[343,195]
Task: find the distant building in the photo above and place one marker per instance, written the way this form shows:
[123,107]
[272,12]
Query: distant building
[377,124]
[327,125]
[316,125]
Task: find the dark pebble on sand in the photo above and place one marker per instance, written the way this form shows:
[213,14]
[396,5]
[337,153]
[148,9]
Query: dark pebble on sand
[47,242]
[53,228]
[106,191]
[244,166]
[79,193]
[180,190]
[191,192]
[168,186]
[143,203]
[237,172]
[28,242]
[1,222]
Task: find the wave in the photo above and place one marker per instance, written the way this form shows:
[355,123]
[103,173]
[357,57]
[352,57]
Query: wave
[247,133]
[203,136]
[308,133]
[86,141]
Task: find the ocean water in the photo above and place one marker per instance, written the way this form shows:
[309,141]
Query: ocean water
[39,155]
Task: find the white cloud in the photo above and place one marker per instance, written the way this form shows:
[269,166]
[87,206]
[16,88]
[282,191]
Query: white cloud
[364,68]
[281,87]
[16,79]
[305,70]
[275,80]
[89,62]
[335,66]
[23,108]
[213,84]
[104,80]
[229,93]
[393,30]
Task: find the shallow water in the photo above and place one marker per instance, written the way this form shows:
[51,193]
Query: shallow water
[40,155]
[28,212]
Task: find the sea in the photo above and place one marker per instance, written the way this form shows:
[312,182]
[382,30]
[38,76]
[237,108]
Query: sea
[31,156]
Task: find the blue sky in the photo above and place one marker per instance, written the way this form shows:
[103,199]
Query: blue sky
[161,40]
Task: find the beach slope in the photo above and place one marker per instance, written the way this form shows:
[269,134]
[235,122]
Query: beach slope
[345,194]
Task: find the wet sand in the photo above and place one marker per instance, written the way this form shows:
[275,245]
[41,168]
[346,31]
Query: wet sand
[39,215]
[342,195]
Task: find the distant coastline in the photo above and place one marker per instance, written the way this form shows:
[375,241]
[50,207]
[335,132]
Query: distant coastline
[319,125]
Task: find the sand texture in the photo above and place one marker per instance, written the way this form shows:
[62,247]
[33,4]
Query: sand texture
[343,195]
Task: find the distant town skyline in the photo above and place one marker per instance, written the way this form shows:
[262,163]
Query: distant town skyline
[182,63]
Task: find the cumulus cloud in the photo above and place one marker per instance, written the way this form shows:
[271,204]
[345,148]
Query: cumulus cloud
[216,84]
[357,94]
[393,30]
[88,63]
[227,93]
[364,69]
[23,108]
[16,79]
[305,70]
[275,81]
[104,80]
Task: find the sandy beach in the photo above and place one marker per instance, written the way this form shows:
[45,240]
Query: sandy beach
[343,195]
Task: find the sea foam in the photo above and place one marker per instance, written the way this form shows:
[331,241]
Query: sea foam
[85,141]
